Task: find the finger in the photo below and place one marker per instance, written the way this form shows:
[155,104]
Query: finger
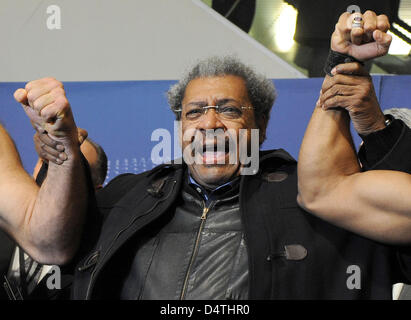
[383,41]
[42,101]
[357,30]
[20,95]
[370,24]
[37,144]
[343,26]
[337,102]
[42,83]
[337,90]
[37,88]
[53,152]
[328,83]
[383,23]
[82,135]
[340,79]
[46,99]
[352,68]
[56,110]
[42,149]
[318,103]
[49,158]
[47,153]
[46,140]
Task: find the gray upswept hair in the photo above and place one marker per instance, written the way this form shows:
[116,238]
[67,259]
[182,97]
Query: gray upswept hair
[261,90]
[403,114]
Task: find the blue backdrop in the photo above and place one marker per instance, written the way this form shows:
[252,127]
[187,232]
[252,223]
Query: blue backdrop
[121,116]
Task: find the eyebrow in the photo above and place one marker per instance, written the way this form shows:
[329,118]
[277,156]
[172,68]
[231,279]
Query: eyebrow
[218,102]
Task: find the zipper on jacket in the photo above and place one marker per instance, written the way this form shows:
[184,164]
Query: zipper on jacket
[196,245]
[124,229]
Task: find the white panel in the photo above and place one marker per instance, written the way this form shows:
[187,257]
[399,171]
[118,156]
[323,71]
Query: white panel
[121,40]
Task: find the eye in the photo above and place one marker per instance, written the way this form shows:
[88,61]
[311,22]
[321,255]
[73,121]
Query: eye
[231,111]
[194,113]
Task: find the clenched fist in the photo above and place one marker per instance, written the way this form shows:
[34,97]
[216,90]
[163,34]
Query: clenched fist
[367,41]
[48,109]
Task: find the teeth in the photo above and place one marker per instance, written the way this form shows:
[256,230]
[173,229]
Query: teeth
[212,153]
[212,157]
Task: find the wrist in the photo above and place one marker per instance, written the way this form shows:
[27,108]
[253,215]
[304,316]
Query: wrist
[379,143]
[377,125]
[335,58]
[69,139]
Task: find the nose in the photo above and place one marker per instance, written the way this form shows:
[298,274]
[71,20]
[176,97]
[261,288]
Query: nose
[210,120]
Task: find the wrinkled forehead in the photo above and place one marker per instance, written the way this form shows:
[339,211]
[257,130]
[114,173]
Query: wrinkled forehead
[210,90]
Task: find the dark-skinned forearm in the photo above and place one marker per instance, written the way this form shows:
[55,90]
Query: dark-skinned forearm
[58,216]
[326,153]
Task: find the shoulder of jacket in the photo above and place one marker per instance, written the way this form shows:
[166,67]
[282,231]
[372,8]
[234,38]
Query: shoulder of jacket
[276,157]
[123,183]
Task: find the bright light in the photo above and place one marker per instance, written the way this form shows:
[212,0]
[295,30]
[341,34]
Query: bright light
[284,28]
[399,46]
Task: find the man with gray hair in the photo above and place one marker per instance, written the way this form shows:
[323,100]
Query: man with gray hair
[204,229]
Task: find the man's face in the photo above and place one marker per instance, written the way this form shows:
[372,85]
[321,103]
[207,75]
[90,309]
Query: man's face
[215,91]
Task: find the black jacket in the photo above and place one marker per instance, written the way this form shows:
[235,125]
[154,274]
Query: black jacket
[272,220]
[7,246]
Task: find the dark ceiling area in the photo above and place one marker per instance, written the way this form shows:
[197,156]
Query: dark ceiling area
[299,30]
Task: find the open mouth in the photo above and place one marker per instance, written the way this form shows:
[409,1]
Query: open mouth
[213,152]
[211,148]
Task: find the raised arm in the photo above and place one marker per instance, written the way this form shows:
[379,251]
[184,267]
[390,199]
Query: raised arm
[375,204]
[45,221]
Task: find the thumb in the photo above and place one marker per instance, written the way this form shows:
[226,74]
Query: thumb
[20,95]
[382,39]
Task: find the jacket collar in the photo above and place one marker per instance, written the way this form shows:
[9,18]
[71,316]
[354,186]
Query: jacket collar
[267,157]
